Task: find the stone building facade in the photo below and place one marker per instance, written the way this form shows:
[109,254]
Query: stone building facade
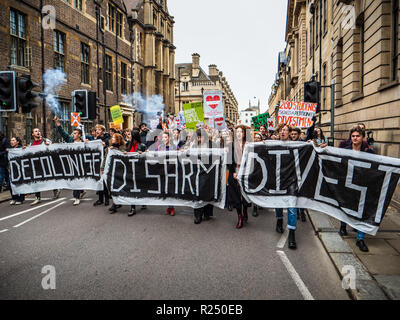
[111,47]
[193,81]
[354,43]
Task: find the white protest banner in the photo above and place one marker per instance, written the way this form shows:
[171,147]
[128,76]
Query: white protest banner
[297,114]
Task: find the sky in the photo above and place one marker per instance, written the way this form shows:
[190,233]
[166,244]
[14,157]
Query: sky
[243,38]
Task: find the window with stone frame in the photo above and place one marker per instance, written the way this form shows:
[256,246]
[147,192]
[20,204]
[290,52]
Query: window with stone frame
[119,22]
[18,37]
[65,120]
[59,50]
[108,79]
[111,18]
[85,63]
[395,40]
[123,78]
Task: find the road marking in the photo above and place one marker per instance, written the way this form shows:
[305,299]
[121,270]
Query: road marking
[38,215]
[283,239]
[85,199]
[29,210]
[5,230]
[295,276]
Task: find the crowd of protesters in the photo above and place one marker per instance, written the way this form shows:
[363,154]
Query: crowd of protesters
[141,139]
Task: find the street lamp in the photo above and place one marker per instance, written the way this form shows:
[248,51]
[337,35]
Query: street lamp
[179,76]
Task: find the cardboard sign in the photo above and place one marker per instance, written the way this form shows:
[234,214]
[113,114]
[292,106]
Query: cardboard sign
[213,104]
[116,115]
[271,124]
[75,119]
[115,126]
[193,114]
[297,114]
[260,120]
[218,123]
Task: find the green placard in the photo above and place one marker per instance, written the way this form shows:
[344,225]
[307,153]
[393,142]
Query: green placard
[194,114]
[260,120]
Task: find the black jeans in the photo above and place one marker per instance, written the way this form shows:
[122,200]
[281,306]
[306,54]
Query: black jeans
[77,193]
[207,211]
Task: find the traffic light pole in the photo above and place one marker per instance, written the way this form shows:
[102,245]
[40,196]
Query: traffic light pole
[332,110]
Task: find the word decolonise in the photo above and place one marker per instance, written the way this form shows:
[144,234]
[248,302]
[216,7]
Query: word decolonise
[354,187]
[74,166]
[192,178]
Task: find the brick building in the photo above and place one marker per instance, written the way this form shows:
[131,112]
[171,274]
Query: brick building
[192,81]
[112,47]
[354,43]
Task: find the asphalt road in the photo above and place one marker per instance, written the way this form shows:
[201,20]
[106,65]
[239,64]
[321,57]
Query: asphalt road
[96,255]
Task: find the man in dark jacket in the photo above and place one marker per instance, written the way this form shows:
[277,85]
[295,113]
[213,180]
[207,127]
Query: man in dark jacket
[4,145]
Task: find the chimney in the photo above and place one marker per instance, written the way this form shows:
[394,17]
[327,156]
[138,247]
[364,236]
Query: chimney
[212,70]
[196,61]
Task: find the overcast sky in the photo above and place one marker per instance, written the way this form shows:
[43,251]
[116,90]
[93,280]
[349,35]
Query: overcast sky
[242,38]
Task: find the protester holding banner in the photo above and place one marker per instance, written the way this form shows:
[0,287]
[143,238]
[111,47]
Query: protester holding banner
[176,142]
[357,136]
[234,194]
[75,138]
[258,137]
[37,141]
[284,135]
[264,133]
[4,175]
[16,199]
[101,135]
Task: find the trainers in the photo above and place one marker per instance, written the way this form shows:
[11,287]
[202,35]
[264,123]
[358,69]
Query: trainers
[36,201]
[12,202]
[57,193]
[18,203]
[83,193]
[77,202]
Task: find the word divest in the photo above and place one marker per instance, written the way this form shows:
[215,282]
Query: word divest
[354,187]
[73,166]
[192,178]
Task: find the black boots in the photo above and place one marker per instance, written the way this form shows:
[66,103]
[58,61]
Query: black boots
[303,216]
[132,212]
[361,244]
[279,225]
[113,209]
[292,240]
[343,231]
[255,211]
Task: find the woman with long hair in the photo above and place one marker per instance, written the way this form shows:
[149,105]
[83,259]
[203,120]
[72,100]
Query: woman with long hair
[319,138]
[16,199]
[234,195]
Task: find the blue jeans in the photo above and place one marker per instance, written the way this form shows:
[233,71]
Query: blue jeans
[4,175]
[292,217]
[360,234]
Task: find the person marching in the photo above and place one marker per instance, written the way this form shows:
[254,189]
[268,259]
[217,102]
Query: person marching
[16,199]
[284,135]
[357,138]
[105,138]
[234,194]
[134,145]
[76,137]
[37,141]
[257,138]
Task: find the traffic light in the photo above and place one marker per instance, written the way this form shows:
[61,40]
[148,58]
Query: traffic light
[80,103]
[8,100]
[312,93]
[25,96]
[93,109]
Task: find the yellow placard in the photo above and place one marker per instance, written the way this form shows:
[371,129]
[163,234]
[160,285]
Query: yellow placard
[116,115]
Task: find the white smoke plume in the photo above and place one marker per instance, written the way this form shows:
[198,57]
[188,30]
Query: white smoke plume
[53,80]
[150,107]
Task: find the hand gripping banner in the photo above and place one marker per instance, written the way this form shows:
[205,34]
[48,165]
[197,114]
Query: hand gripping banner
[354,187]
[74,166]
[193,178]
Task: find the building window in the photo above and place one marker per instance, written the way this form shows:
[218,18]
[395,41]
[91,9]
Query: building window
[325,16]
[123,78]
[111,18]
[65,117]
[324,83]
[316,26]
[85,65]
[395,39]
[18,37]
[362,56]
[108,79]
[59,46]
[119,24]
[78,4]
[185,86]
[311,38]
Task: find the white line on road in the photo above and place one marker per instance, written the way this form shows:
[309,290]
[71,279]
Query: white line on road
[38,215]
[5,230]
[29,210]
[283,239]
[295,276]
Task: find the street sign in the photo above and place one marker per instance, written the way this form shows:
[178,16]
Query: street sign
[75,119]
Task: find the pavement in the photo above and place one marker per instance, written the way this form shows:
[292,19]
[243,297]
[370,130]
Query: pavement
[377,271]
